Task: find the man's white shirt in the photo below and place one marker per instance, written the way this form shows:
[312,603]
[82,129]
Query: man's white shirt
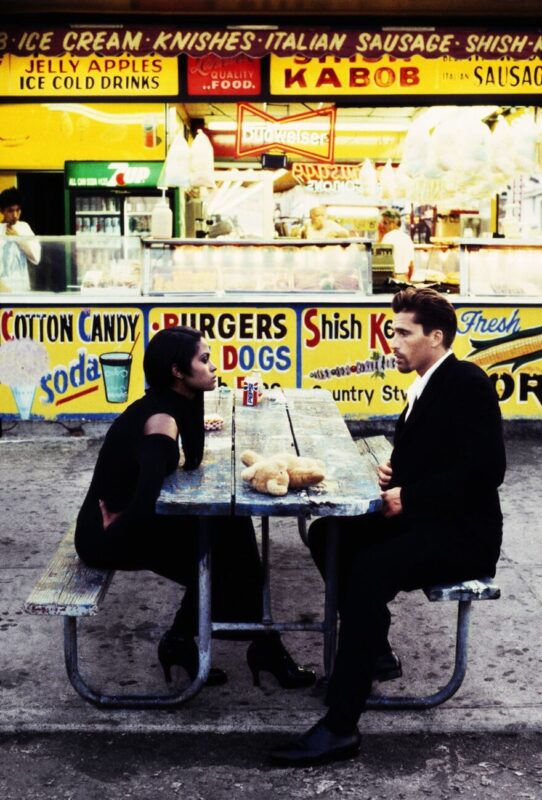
[417,386]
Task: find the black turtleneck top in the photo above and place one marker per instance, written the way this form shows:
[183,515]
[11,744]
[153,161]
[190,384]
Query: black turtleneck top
[132,465]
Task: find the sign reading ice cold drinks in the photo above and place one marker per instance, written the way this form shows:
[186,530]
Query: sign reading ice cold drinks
[109,76]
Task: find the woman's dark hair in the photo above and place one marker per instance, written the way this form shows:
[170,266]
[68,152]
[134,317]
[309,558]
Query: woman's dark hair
[431,310]
[167,348]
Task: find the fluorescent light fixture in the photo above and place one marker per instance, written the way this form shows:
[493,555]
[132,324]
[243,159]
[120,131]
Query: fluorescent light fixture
[104,116]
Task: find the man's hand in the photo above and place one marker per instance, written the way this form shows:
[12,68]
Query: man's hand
[391,502]
[384,475]
[108,517]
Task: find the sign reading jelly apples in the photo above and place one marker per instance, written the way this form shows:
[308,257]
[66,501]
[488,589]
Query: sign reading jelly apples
[224,76]
[309,134]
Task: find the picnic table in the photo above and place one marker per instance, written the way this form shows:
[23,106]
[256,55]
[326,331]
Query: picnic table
[305,422]
[298,421]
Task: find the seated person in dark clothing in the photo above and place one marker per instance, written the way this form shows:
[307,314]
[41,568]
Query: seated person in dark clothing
[440,521]
[118,528]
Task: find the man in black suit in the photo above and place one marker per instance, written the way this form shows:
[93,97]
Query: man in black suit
[440,519]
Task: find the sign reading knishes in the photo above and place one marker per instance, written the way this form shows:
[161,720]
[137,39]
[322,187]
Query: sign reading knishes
[224,76]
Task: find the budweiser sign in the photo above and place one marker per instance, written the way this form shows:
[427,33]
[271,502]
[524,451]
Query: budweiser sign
[309,134]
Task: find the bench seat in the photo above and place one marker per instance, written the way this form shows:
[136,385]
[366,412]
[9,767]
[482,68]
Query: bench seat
[68,587]
[479,589]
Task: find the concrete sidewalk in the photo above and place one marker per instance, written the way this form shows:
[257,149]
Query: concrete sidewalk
[43,480]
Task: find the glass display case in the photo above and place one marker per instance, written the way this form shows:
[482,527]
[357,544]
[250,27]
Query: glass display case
[83,265]
[500,267]
[437,265]
[228,266]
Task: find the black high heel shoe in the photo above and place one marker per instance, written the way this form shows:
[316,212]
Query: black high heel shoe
[268,654]
[174,649]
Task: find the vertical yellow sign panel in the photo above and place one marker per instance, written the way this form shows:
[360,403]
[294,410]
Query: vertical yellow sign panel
[70,361]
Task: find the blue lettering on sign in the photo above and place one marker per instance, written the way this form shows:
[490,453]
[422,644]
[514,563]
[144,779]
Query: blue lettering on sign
[82,370]
[83,316]
[474,321]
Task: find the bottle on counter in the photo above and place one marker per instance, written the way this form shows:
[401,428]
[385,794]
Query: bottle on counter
[162,219]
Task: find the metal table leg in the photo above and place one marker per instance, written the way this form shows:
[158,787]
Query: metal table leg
[267,617]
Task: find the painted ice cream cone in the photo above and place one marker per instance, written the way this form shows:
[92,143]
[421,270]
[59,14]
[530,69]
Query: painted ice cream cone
[24,397]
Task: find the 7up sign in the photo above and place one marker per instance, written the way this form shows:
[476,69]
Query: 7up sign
[125,174]
[112,174]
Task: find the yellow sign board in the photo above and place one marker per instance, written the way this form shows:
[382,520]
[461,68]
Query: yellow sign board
[75,361]
[347,350]
[242,339]
[45,135]
[98,76]
[70,361]
[409,76]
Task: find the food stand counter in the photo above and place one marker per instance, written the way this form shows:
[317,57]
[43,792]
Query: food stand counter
[302,314]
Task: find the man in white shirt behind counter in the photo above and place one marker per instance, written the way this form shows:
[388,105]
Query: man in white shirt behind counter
[320,227]
[403,248]
[18,245]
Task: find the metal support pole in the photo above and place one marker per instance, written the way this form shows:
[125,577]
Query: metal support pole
[267,617]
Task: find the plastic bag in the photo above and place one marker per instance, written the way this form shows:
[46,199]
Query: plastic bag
[176,169]
[202,162]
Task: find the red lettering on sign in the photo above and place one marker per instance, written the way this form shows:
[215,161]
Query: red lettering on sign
[376,334]
[409,76]
[310,314]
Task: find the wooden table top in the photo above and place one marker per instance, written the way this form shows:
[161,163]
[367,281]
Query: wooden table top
[302,421]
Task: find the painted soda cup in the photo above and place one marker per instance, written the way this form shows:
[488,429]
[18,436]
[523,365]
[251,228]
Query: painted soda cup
[116,375]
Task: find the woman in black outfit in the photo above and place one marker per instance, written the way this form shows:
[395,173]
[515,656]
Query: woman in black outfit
[118,528]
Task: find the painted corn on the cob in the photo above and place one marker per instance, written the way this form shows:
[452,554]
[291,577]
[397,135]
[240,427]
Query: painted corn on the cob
[516,349]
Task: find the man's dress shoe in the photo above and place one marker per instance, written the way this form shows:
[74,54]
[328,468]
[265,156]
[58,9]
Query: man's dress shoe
[387,667]
[318,745]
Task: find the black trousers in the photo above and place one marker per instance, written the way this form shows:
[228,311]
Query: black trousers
[377,559]
[168,547]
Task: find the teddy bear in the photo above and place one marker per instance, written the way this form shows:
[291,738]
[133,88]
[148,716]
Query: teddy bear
[277,473]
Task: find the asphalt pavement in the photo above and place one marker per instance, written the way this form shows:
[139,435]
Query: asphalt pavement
[44,473]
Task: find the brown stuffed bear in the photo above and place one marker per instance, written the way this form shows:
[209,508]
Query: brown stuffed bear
[266,474]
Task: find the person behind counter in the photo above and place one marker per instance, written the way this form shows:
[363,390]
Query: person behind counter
[403,248]
[118,528]
[320,227]
[18,245]
[440,521]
